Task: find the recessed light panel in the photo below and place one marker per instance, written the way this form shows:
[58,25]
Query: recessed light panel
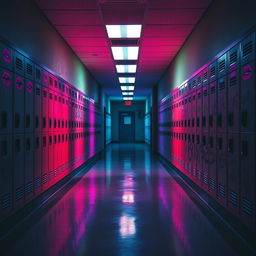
[125,53]
[126,80]
[127,88]
[127,93]
[126,68]
[123,31]
[127,98]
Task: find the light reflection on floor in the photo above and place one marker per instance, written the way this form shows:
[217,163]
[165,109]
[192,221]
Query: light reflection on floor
[126,205]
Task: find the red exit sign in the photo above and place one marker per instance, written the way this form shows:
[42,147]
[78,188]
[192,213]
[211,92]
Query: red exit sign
[127,102]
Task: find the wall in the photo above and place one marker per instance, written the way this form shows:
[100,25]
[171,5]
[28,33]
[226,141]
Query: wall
[24,25]
[223,23]
[139,108]
[207,127]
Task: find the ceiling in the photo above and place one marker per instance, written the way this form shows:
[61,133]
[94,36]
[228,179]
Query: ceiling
[165,26]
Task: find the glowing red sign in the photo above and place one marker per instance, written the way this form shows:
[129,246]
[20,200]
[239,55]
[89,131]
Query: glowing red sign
[127,102]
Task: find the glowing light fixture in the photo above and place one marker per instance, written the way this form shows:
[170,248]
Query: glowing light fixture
[127,93]
[123,31]
[126,68]
[126,80]
[125,53]
[127,98]
[127,88]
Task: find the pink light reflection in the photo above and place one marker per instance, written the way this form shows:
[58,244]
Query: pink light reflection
[127,226]
[128,197]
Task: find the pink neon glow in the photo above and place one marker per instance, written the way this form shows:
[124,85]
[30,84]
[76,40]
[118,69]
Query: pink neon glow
[6,79]
[128,181]
[29,87]
[127,226]
[247,72]
[19,83]
[128,197]
[7,57]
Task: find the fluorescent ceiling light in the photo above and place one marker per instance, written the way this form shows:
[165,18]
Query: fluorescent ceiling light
[123,31]
[127,93]
[127,98]
[126,68]
[125,53]
[126,80]
[127,88]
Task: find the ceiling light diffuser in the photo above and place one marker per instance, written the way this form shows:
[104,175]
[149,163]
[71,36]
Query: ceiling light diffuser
[123,31]
[126,80]
[127,98]
[127,93]
[127,88]
[126,68]
[125,53]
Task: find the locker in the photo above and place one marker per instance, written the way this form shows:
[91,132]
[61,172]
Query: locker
[222,168]
[6,96]
[19,64]
[38,75]
[29,166]
[45,109]
[6,57]
[37,162]
[51,110]
[18,170]
[45,78]
[233,172]
[233,59]
[233,112]
[212,118]
[29,69]
[212,168]
[247,49]
[248,95]
[222,105]
[37,108]
[29,106]
[18,106]
[199,145]
[6,160]
[212,72]
[247,174]
[51,158]
[205,76]
[222,65]
[45,160]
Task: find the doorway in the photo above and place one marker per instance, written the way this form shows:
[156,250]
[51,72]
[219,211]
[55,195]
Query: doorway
[127,126]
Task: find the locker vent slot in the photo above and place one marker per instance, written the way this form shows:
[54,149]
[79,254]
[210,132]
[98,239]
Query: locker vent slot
[199,80]
[247,49]
[233,198]
[222,66]
[212,71]
[55,173]
[233,58]
[29,188]
[29,69]
[18,194]
[247,206]
[205,178]
[38,182]
[44,178]
[205,76]
[212,184]
[19,63]
[221,190]
[6,201]
[233,81]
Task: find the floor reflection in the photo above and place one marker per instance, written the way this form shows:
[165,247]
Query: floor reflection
[126,205]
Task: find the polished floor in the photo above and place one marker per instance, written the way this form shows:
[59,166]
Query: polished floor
[127,204]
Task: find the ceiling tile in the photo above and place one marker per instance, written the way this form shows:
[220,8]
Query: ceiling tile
[81,31]
[67,4]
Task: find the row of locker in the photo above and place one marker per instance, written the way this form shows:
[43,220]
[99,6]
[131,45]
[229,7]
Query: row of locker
[207,129]
[47,129]
[36,108]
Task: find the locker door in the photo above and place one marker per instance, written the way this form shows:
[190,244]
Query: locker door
[222,65]
[19,107]
[29,106]
[37,162]
[38,75]
[212,164]
[51,159]
[29,69]
[51,111]
[19,64]
[37,108]
[233,172]
[199,144]
[45,79]
[222,168]
[6,99]
[29,166]
[45,160]
[247,172]
[212,118]
[213,72]
[6,160]
[6,57]
[18,170]
[45,110]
